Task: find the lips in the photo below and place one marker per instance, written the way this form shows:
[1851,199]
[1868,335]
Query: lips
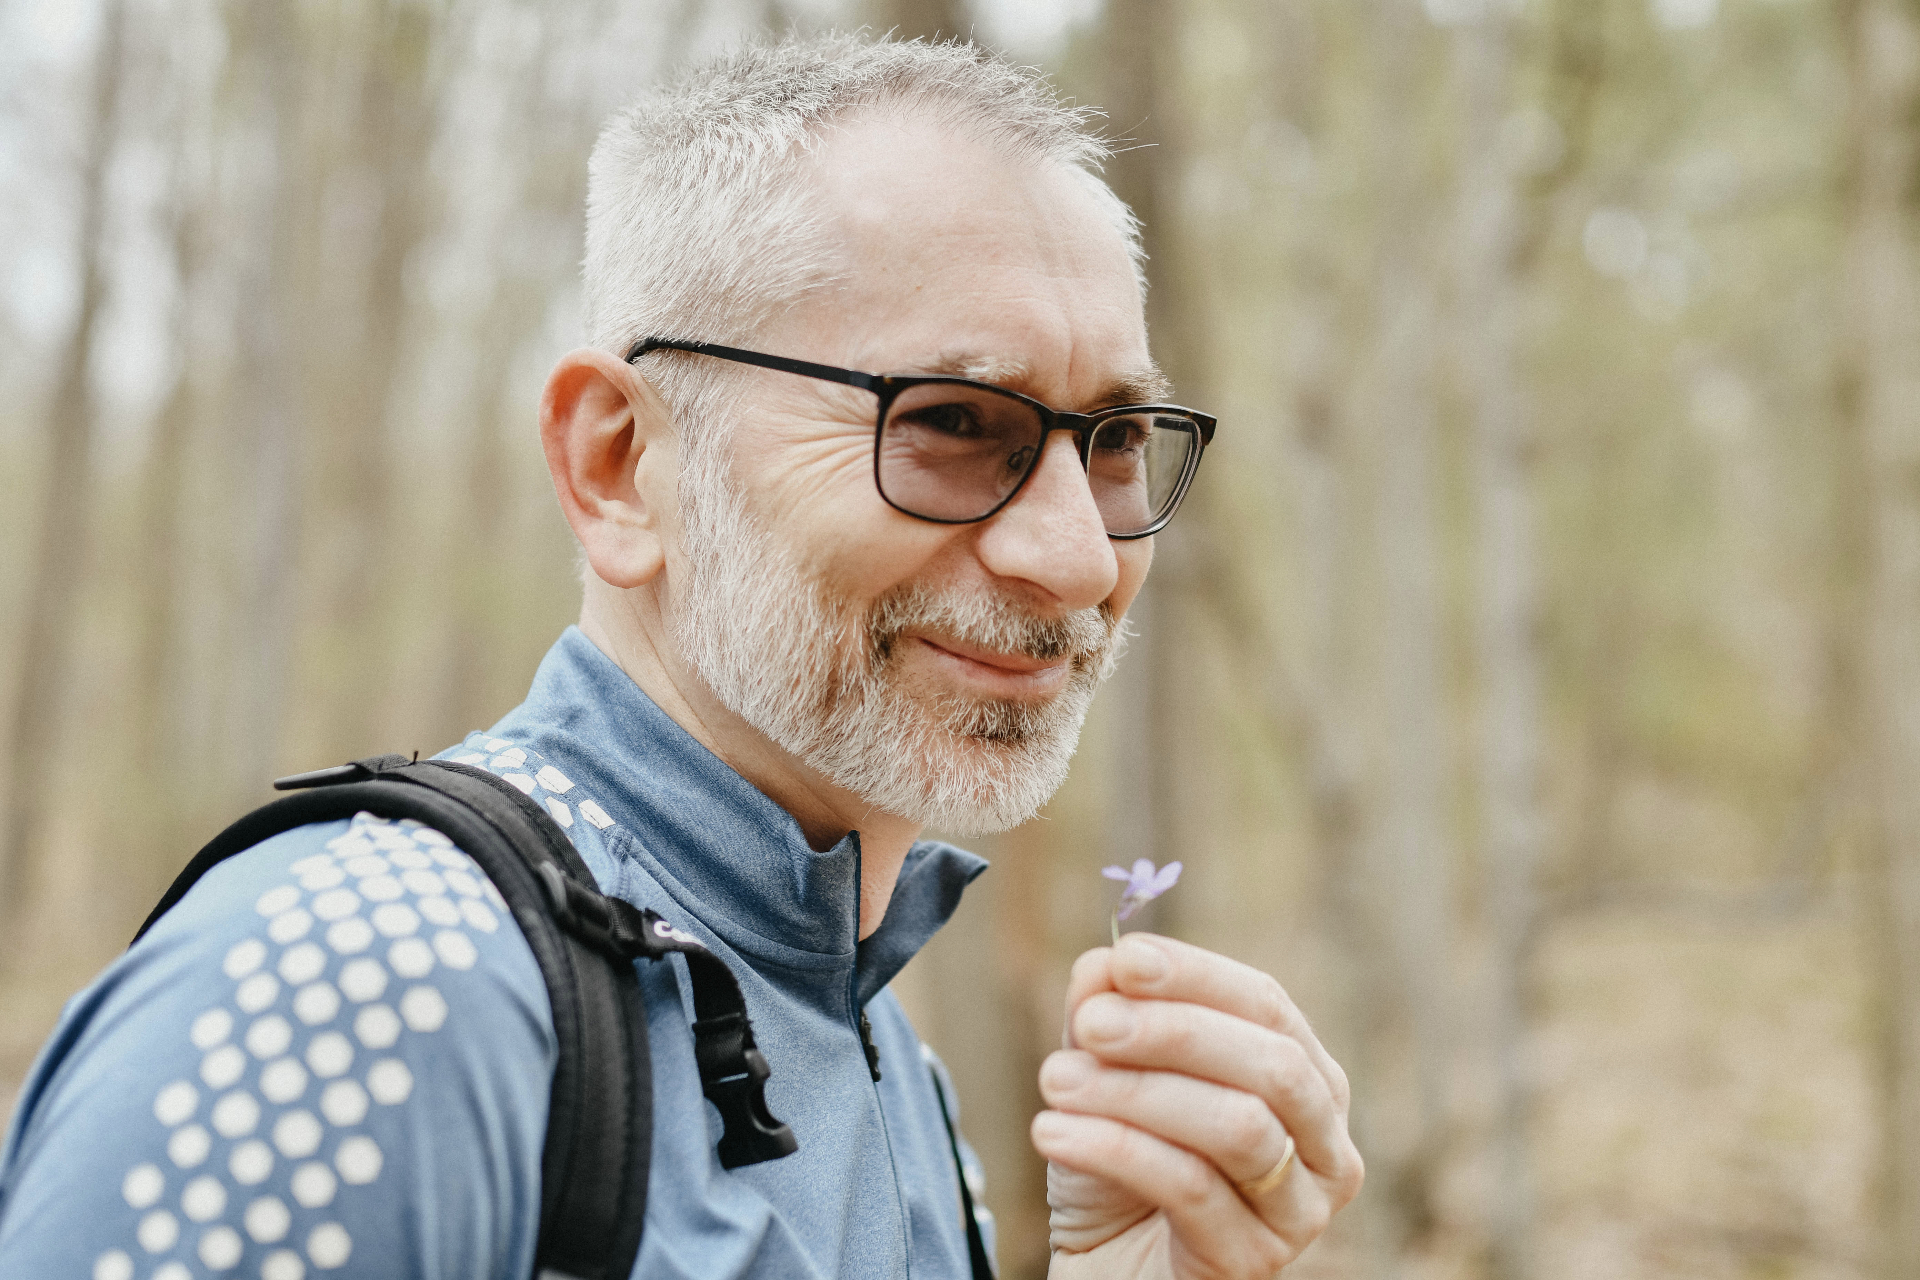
[1005,675]
[1012,663]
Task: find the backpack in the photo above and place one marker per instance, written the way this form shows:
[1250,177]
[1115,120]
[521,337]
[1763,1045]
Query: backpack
[593,1169]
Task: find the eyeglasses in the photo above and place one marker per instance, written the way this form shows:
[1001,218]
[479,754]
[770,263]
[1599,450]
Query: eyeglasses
[956,451]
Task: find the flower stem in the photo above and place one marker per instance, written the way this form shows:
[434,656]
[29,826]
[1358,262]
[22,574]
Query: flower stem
[1115,920]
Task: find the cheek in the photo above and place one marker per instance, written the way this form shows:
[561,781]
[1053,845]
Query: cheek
[819,498]
[868,552]
[800,482]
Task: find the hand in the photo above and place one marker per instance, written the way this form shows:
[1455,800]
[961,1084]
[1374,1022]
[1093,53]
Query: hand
[1184,1075]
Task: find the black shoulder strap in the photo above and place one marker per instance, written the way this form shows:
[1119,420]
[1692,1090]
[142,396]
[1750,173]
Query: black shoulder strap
[599,1129]
[977,1257]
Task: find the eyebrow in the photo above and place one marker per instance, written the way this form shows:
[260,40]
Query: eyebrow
[1142,386]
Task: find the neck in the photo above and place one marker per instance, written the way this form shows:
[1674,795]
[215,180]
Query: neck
[629,628]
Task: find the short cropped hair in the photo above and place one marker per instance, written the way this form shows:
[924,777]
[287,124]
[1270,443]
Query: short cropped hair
[696,226]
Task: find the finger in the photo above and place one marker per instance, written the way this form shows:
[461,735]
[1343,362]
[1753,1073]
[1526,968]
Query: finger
[1234,1129]
[1149,966]
[1092,973]
[1084,1212]
[1194,1040]
[1210,1220]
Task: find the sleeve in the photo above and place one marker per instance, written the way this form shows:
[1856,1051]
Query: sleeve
[334,1055]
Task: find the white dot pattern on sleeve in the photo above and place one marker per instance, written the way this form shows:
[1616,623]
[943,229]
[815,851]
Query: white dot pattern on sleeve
[223,1066]
[189,1145]
[158,1231]
[211,1028]
[299,1057]
[268,1220]
[283,1264]
[329,1246]
[220,1248]
[251,1163]
[144,1184]
[314,1184]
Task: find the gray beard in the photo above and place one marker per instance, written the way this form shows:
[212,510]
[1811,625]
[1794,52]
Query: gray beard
[823,679]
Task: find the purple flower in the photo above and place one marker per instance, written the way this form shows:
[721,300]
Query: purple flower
[1144,884]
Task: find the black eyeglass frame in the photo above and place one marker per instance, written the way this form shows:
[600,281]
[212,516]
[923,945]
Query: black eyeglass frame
[887,387]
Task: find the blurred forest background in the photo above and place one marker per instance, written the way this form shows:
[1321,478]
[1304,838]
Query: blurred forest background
[1532,682]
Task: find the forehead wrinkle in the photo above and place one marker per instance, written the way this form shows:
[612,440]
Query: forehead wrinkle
[1142,386]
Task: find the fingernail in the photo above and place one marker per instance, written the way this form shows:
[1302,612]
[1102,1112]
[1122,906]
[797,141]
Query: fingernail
[1066,1072]
[1105,1018]
[1147,962]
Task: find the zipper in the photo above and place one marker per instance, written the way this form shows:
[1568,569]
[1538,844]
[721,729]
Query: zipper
[872,1050]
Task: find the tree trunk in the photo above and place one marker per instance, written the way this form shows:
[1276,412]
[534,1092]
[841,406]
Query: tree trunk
[353,476]
[1881,393]
[53,598]
[161,586]
[1508,666]
[267,424]
[1139,90]
[1408,850]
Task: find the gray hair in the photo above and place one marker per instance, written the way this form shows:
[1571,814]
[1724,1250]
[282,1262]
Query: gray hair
[696,227]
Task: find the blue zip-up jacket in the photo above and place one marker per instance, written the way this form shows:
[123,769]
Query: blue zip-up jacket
[334,1055]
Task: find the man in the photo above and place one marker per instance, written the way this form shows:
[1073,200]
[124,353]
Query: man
[822,610]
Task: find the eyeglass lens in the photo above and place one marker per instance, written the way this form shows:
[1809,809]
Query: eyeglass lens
[949,451]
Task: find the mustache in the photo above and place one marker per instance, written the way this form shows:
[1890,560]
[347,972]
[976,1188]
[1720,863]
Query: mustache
[1086,638]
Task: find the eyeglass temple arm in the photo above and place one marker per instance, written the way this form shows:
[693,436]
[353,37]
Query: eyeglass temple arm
[805,368]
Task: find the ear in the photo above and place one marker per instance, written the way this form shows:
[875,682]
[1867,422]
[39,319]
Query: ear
[611,451]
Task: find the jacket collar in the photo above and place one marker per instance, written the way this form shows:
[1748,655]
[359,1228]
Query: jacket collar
[739,857]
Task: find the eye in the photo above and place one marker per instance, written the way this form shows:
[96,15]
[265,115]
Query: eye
[1121,436]
[955,419]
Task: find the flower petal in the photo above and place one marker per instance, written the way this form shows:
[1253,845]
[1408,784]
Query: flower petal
[1143,869]
[1114,873]
[1165,880]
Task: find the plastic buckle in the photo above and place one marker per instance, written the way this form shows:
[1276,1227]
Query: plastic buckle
[752,1135]
[733,1073]
[579,910]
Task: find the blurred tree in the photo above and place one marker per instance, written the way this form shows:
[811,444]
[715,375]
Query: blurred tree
[374,172]
[1507,626]
[1140,63]
[1881,393]
[1408,858]
[923,19]
[161,587]
[269,412]
[68,492]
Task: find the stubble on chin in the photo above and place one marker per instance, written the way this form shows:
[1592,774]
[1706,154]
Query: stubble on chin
[963,762]
[827,680]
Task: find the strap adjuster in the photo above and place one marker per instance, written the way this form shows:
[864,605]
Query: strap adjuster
[733,1071]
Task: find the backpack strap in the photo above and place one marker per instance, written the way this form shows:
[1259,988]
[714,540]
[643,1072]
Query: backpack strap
[593,1170]
[979,1260]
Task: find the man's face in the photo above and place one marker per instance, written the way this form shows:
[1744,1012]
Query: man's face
[941,672]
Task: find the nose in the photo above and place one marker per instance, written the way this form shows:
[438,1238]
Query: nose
[1051,535]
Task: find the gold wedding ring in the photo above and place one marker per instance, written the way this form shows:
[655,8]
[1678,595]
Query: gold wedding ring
[1271,1179]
